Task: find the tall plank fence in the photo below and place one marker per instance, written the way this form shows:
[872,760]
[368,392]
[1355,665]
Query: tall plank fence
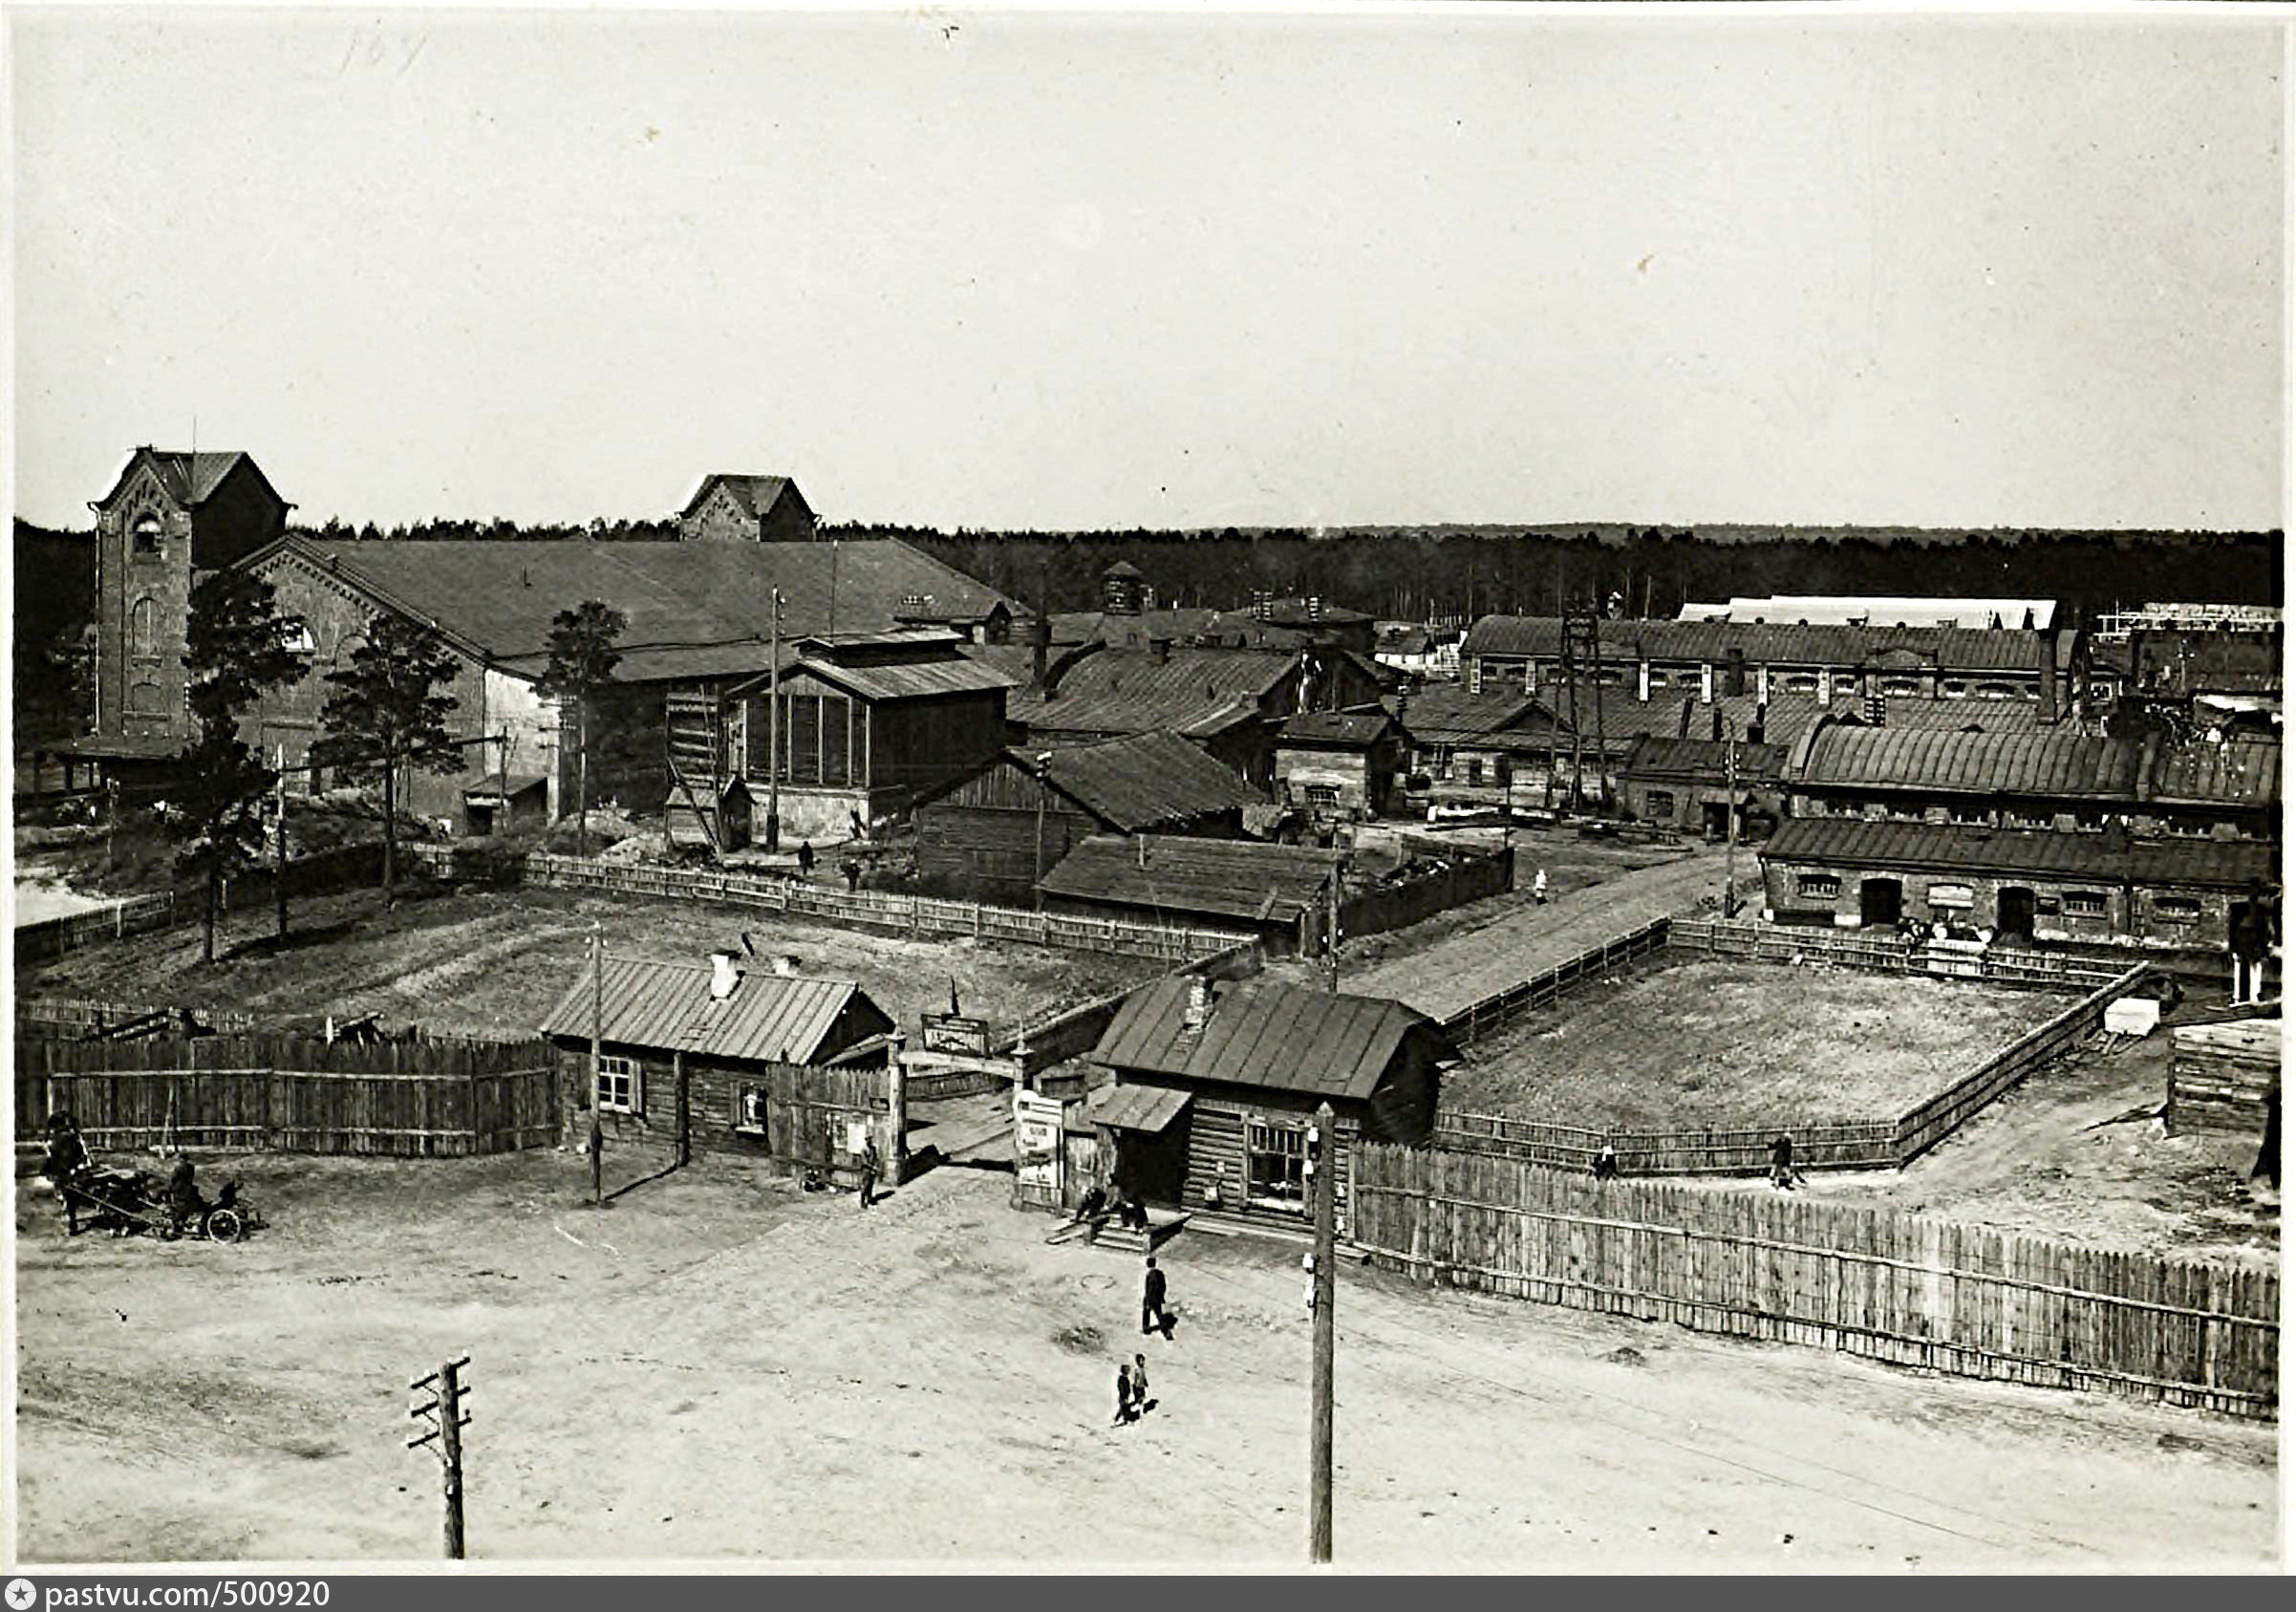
[321,872]
[1462,879]
[900,915]
[1502,1008]
[1914,1290]
[1740,1150]
[293,1094]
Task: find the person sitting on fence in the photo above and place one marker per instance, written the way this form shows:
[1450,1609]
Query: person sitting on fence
[1782,1174]
[1606,1163]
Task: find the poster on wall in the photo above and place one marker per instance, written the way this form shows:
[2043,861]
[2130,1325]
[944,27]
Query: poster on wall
[1037,1149]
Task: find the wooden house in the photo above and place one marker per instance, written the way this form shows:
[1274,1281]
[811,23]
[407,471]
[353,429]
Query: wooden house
[1340,764]
[690,1054]
[1215,1084]
[1279,893]
[994,833]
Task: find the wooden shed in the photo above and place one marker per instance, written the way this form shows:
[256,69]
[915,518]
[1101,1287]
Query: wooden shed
[993,834]
[2223,1076]
[1216,1081]
[1276,893]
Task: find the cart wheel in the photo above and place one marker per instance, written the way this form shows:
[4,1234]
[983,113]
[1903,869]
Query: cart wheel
[223,1225]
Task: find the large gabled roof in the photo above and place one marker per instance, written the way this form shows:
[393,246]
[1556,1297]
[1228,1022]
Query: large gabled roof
[756,494]
[1144,781]
[1773,643]
[1262,1033]
[695,608]
[1942,847]
[666,1006]
[1124,690]
[2061,763]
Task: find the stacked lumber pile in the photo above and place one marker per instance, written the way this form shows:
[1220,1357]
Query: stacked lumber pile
[2223,1076]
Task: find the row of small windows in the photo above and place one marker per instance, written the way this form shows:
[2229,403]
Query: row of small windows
[2077,903]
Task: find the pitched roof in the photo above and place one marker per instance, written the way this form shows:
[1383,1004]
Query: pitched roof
[189,478]
[666,1006]
[919,678]
[1258,1032]
[1950,648]
[1347,729]
[1227,879]
[1860,843]
[756,494]
[1822,609]
[2237,772]
[1144,780]
[1448,714]
[695,608]
[1653,756]
[2067,764]
[1125,690]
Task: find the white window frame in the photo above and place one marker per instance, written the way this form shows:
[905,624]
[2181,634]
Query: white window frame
[616,1071]
[2178,909]
[1951,897]
[1260,1141]
[1823,887]
[2083,904]
[1324,795]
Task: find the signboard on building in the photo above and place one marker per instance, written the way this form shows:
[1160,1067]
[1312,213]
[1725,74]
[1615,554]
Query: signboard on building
[946,1031]
[1037,1149]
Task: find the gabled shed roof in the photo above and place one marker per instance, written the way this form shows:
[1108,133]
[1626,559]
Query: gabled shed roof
[666,1006]
[1246,880]
[1258,1032]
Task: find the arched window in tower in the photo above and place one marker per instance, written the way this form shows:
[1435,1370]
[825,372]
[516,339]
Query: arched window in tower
[147,530]
[143,629]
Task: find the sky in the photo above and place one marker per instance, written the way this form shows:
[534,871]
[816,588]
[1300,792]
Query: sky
[1089,269]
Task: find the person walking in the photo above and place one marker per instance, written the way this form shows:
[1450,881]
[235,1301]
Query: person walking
[1124,1411]
[1538,887]
[66,1162]
[1153,1316]
[1781,1163]
[870,1163]
[804,858]
[851,869]
[1140,1389]
[1307,1264]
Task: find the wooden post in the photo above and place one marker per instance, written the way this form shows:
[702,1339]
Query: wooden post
[1331,929]
[597,1022]
[1730,820]
[450,1447]
[279,858]
[1324,1154]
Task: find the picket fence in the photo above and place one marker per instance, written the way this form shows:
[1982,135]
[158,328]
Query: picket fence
[293,1094]
[903,915]
[1919,1292]
[1502,1008]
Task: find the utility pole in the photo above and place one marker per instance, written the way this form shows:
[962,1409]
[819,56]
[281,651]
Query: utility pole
[1729,819]
[1331,929]
[446,1406]
[597,1031]
[1043,774]
[279,853]
[773,726]
[1322,1152]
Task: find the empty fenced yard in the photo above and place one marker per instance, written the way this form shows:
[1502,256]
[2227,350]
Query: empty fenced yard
[1680,1044]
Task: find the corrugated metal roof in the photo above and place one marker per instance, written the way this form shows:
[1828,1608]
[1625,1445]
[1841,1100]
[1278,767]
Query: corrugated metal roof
[1145,781]
[1951,648]
[666,1006]
[1856,843]
[680,597]
[1135,1107]
[1262,1033]
[1337,727]
[1227,879]
[2068,765]
[2237,772]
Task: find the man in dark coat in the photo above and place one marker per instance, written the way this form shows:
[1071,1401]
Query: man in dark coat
[184,1204]
[1124,1394]
[1781,1163]
[871,1162]
[66,1161]
[1153,1316]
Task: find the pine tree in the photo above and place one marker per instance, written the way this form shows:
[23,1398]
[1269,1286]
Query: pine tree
[386,712]
[583,658]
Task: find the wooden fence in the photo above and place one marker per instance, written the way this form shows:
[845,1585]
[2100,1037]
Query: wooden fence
[1713,1150]
[293,1094]
[1924,1126]
[1495,1012]
[75,1019]
[342,868]
[1771,943]
[1461,879]
[1914,1290]
[901,914]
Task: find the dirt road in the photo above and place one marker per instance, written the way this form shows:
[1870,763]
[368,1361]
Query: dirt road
[1471,961]
[717,1367]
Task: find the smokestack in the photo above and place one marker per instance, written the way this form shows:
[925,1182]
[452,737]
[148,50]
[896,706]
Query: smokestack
[723,975]
[1199,1003]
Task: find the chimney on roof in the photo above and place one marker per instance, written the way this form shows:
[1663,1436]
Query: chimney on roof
[1160,650]
[1198,1011]
[787,964]
[723,975]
